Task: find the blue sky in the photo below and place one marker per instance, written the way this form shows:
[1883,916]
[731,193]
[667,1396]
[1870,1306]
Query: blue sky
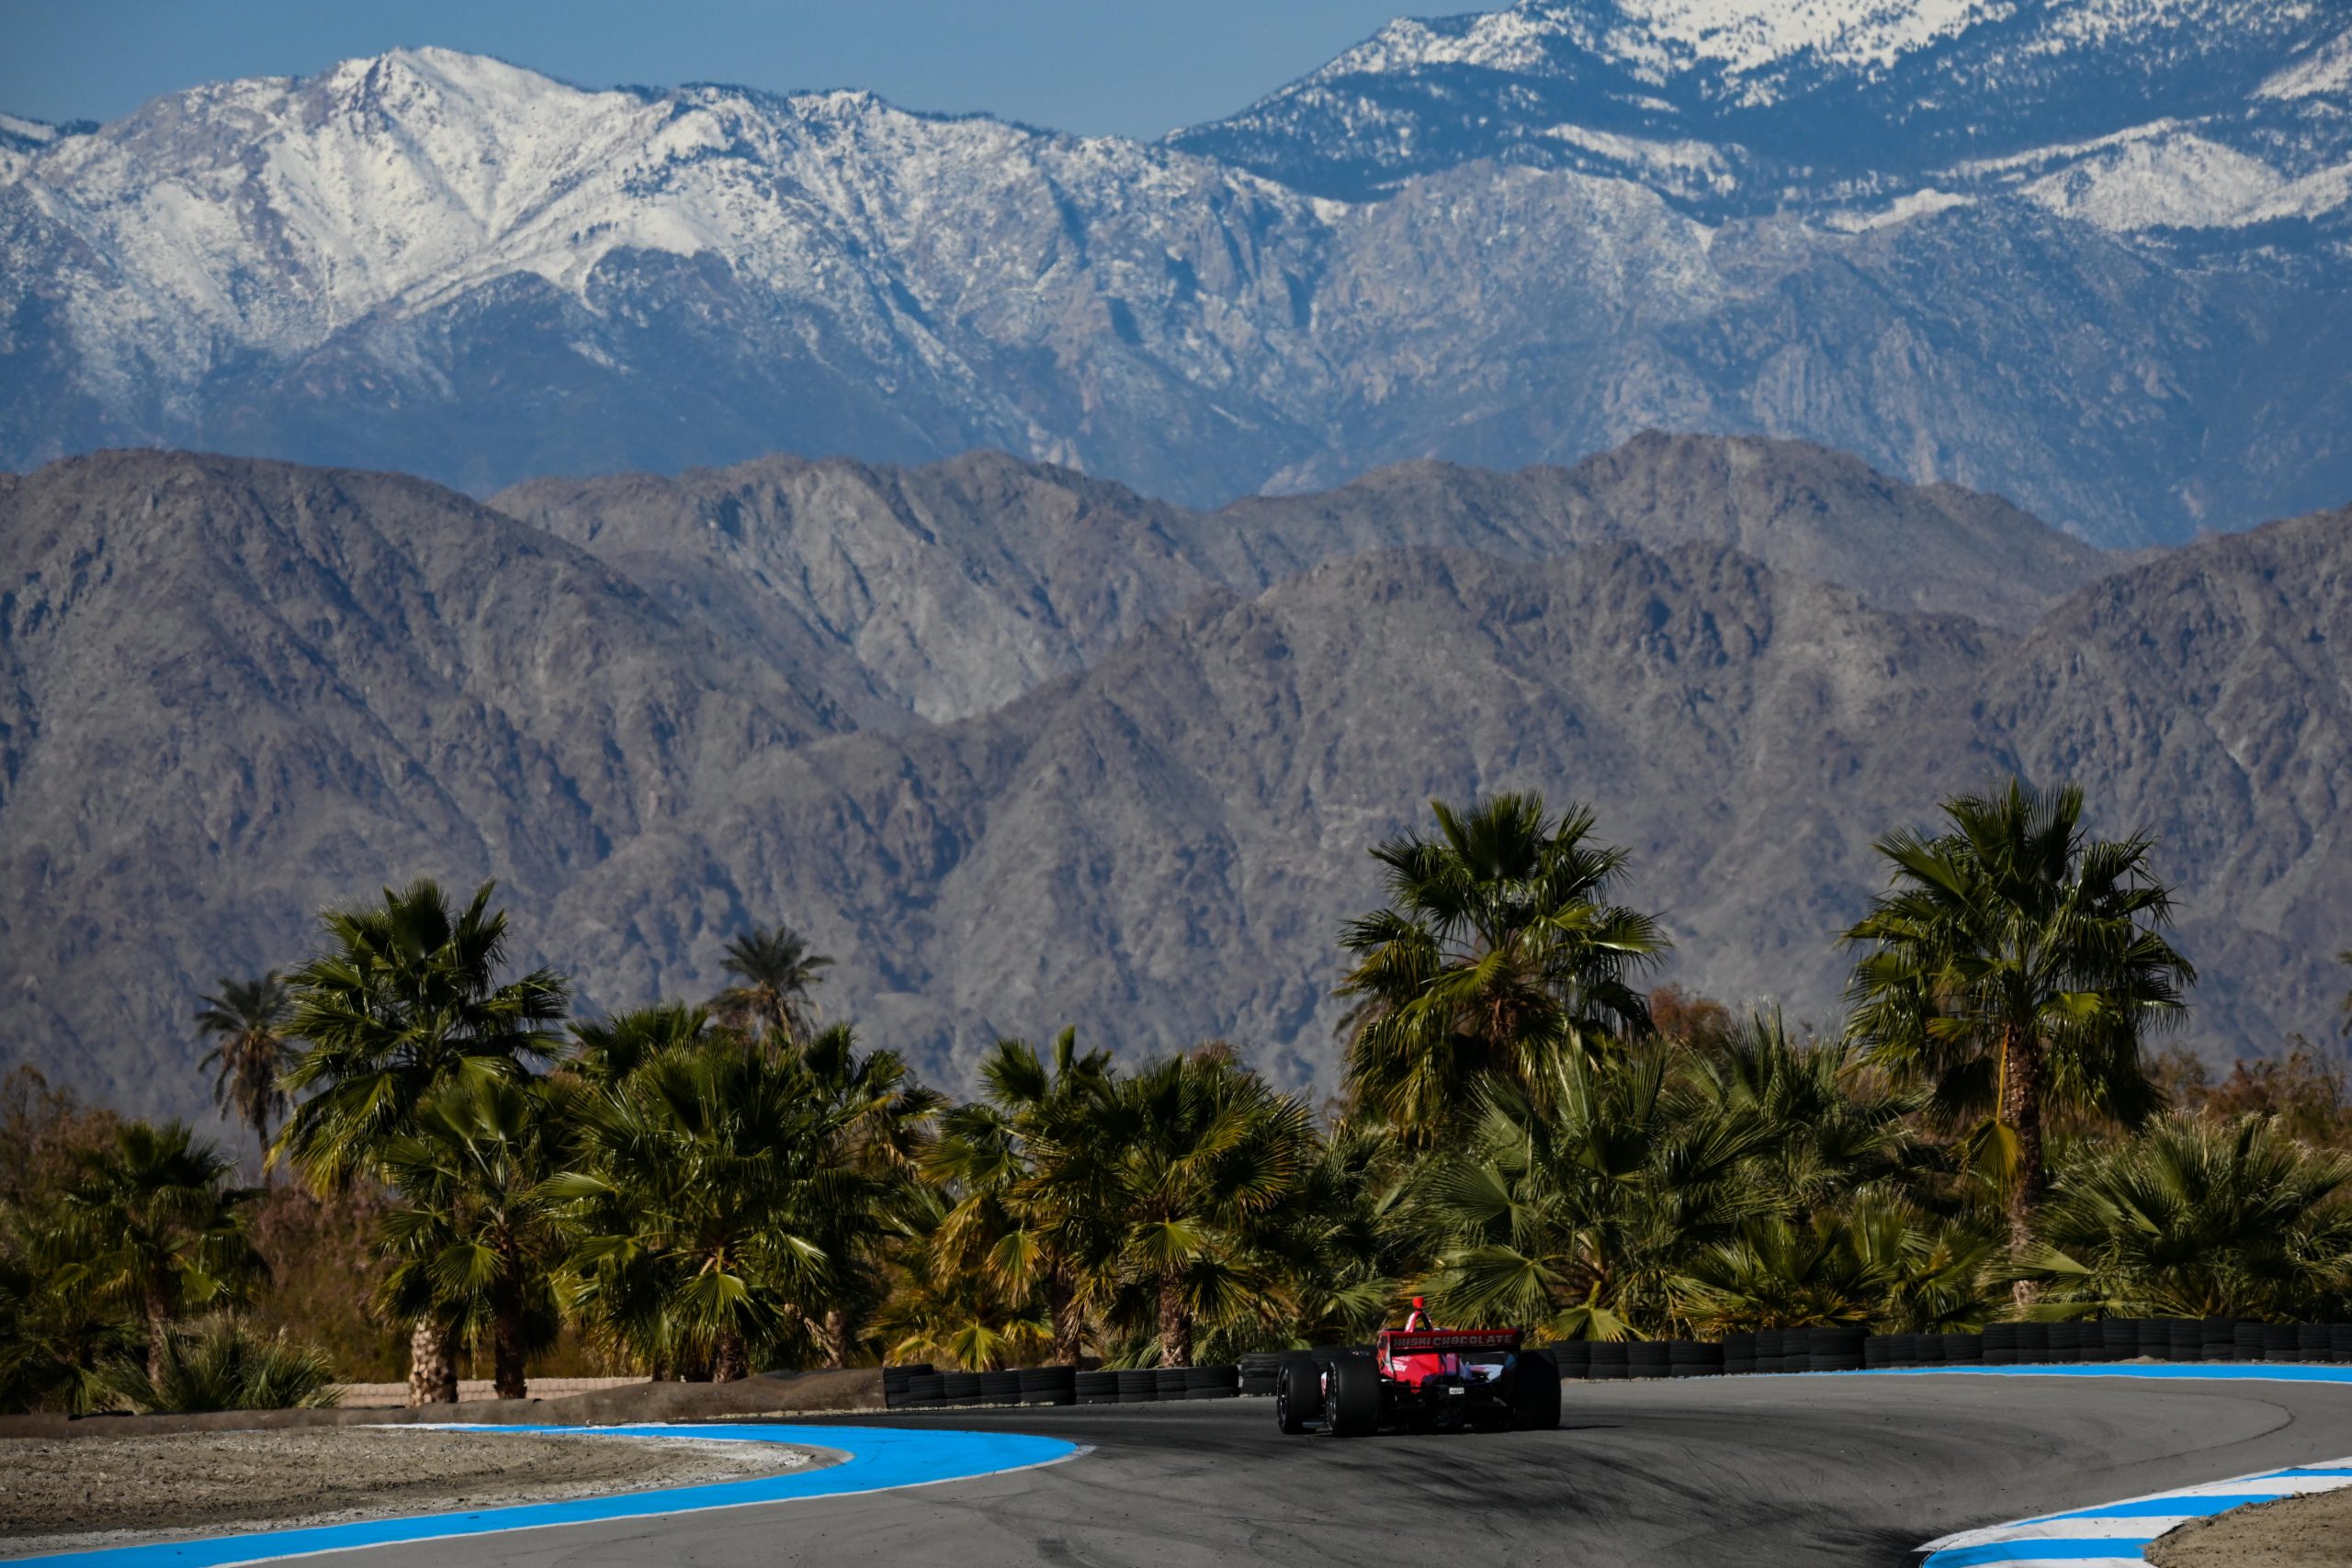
[1130,67]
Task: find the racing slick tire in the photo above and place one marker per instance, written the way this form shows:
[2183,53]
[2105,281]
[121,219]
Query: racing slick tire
[1298,1395]
[1355,1395]
[1535,1392]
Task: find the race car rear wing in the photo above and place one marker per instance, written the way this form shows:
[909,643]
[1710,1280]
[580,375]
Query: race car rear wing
[1448,1341]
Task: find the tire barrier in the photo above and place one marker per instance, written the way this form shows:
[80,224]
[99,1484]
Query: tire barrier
[1048,1385]
[1212,1382]
[2077,1343]
[918,1387]
[893,1383]
[1693,1359]
[1816,1349]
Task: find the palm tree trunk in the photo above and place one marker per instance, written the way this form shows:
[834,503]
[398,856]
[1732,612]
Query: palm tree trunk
[431,1364]
[1070,1324]
[1175,1322]
[506,1354]
[733,1361]
[2022,1111]
[835,1333]
[159,1325]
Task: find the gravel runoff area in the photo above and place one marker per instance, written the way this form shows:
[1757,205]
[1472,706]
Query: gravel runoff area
[2295,1532]
[89,1491]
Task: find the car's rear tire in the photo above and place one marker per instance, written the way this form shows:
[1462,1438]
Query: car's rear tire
[1354,1395]
[1298,1396]
[1535,1392]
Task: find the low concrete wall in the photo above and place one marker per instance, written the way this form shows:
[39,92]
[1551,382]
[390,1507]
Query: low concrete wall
[768,1393]
[374,1396]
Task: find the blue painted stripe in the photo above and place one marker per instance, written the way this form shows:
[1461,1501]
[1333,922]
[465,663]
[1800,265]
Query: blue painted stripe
[2314,1470]
[2034,1551]
[2161,1508]
[879,1457]
[2250,1371]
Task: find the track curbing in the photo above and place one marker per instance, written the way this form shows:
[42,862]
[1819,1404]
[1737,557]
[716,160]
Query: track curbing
[873,1459]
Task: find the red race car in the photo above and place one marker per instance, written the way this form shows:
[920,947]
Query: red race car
[1419,1378]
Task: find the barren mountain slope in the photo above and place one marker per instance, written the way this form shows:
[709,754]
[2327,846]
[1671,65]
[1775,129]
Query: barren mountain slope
[952,588]
[2207,694]
[232,692]
[1163,849]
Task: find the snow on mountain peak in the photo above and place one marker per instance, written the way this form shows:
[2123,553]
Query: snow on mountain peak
[1662,37]
[32,130]
[1747,35]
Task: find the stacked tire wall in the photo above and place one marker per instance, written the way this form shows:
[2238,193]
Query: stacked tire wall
[2000,1345]
[918,1387]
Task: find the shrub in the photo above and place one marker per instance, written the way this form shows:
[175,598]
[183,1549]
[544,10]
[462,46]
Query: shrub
[222,1364]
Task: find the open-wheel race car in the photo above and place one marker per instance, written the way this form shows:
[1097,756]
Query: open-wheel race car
[1418,1379]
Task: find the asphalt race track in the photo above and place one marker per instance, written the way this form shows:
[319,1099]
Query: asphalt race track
[1754,1471]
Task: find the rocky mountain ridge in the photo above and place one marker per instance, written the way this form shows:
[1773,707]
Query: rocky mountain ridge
[952,589]
[232,692]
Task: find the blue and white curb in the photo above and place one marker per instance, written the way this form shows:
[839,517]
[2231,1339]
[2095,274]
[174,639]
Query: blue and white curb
[2222,1372]
[876,1459]
[2117,1535]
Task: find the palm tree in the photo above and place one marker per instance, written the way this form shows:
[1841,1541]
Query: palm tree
[474,1237]
[608,1050]
[160,1230]
[2015,965]
[404,1001]
[940,1309]
[773,971]
[1877,1261]
[247,1020]
[1496,956]
[1005,1224]
[1164,1191]
[704,1190]
[882,1121]
[1576,1212]
[1782,1274]
[1831,1129]
[2196,1218]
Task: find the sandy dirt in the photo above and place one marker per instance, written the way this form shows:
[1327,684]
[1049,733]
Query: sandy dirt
[112,1491]
[2294,1532]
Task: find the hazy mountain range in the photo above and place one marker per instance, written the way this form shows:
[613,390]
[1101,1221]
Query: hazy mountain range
[1023,748]
[2088,254]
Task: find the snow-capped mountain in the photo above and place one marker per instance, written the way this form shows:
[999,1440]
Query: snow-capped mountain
[2136,114]
[2092,253]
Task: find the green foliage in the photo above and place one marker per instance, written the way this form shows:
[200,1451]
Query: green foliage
[2015,966]
[473,1239]
[219,1364]
[1168,1189]
[705,1202]
[2196,1218]
[156,1230]
[1497,957]
[775,971]
[405,998]
[1525,1139]
[247,1022]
